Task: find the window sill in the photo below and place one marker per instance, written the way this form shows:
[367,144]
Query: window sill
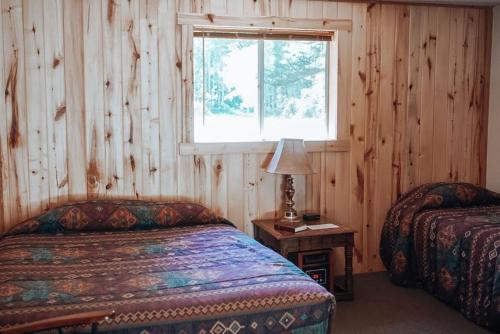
[260,147]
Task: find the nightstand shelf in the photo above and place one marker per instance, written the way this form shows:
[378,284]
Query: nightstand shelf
[308,242]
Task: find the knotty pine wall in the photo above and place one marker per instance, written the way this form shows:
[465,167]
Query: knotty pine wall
[92,108]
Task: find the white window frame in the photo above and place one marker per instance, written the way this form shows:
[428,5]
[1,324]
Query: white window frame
[188,22]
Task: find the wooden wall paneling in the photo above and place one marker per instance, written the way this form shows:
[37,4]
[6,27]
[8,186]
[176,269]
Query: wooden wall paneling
[235,8]
[283,7]
[345,10]
[203,179]
[457,91]
[412,138]
[441,150]
[471,78]
[55,97]
[15,109]
[130,58]
[94,99]
[250,178]
[219,185]
[298,9]
[269,196]
[218,7]
[330,9]
[250,8]
[313,191]
[427,73]
[186,164]
[341,213]
[315,10]
[198,6]
[168,78]
[235,189]
[5,201]
[483,97]
[75,104]
[371,131]
[384,124]
[357,109]
[113,112]
[34,59]
[330,183]
[149,98]
[399,100]
[129,16]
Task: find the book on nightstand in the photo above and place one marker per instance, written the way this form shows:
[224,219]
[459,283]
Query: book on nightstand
[290,227]
[299,227]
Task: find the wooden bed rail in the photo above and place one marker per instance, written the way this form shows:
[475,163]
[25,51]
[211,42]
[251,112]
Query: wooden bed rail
[77,319]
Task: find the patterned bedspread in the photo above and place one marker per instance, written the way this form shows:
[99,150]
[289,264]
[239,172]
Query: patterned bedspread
[446,237]
[187,278]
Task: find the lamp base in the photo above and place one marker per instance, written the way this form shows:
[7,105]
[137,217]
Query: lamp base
[291,221]
[290,215]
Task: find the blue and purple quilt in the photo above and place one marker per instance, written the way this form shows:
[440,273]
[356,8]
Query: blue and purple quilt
[162,267]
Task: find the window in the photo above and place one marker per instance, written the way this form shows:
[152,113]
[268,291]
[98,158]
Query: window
[254,87]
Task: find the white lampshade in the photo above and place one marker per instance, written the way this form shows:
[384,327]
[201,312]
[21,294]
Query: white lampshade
[290,158]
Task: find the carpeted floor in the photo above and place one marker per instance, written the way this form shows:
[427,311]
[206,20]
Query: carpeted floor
[382,307]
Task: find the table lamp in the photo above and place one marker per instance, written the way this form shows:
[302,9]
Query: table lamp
[290,158]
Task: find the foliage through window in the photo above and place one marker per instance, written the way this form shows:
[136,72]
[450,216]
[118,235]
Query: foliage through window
[260,89]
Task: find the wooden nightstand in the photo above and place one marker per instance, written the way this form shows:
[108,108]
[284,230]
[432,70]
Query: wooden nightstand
[287,243]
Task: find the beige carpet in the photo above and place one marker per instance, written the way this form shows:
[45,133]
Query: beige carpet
[382,307]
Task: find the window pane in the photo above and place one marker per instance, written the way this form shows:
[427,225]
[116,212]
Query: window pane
[225,90]
[294,90]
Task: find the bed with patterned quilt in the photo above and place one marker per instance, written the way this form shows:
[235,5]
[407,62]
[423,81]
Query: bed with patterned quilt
[162,267]
[446,238]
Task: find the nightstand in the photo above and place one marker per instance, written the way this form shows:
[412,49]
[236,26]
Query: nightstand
[297,245]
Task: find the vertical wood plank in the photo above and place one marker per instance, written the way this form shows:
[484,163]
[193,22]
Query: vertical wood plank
[113,115]
[167,85]
[412,138]
[15,109]
[55,99]
[186,170]
[399,100]
[94,99]
[471,89]
[345,11]
[371,148]
[250,174]
[357,108]
[5,201]
[75,105]
[202,179]
[34,53]
[219,185]
[270,198]
[457,92]
[441,151]
[131,98]
[149,98]
[235,189]
[427,73]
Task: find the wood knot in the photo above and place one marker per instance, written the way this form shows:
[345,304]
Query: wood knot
[60,111]
[56,62]
[132,162]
